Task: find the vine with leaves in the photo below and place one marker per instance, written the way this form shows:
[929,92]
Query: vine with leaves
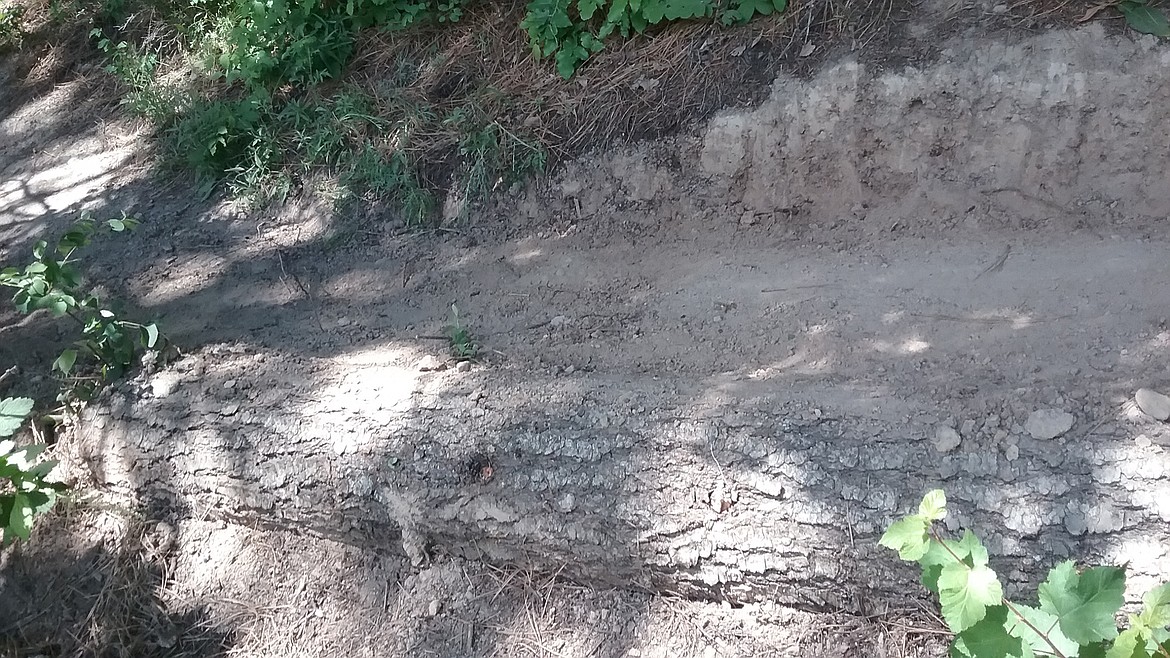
[1076,611]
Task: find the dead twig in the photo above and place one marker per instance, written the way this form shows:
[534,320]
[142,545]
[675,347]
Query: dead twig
[998,264]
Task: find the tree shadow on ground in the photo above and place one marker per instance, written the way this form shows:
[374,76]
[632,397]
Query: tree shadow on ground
[312,412]
[91,583]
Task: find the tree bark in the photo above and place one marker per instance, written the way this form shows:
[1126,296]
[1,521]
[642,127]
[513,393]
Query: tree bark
[632,486]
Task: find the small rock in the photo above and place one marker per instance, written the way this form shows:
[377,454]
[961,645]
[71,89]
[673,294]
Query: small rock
[1153,403]
[463,366]
[434,608]
[571,187]
[1048,423]
[570,370]
[230,410]
[558,322]
[968,429]
[710,652]
[229,384]
[1012,453]
[946,438]
[999,9]
[163,384]
[1143,441]
[748,218]
[567,503]
[429,363]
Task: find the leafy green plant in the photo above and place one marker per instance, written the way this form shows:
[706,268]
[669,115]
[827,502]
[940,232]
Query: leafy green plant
[53,283]
[1076,611]
[11,27]
[573,30]
[137,70]
[24,492]
[463,346]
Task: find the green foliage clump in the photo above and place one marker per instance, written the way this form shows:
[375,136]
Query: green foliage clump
[24,491]
[303,43]
[572,30]
[108,344]
[1075,614]
[11,27]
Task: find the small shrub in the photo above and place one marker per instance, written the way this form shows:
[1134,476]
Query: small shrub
[108,344]
[1076,611]
[463,346]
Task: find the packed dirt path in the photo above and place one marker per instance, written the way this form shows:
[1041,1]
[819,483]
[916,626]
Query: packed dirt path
[711,370]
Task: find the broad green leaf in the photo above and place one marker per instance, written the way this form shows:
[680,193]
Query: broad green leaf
[117,225]
[13,411]
[1048,627]
[64,363]
[937,556]
[1129,644]
[965,594]
[20,517]
[1156,609]
[150,335]
[971,550]
[588,7]
[1146,20]
[988,639]
[933,506]
[1084,603]
[910,537]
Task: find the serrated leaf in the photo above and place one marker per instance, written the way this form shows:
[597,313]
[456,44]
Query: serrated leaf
[910,537]
[989,639]
[1155,612]
[1048,627]
[971,550]
[933,506]
[1084,603]
[588,7]
[1144,19]
[1129,644]
[936,557]
[966,593]
[13,411]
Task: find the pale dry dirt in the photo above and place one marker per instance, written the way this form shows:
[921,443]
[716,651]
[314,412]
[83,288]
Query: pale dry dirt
[774,332]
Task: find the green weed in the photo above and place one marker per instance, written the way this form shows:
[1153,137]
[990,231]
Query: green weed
[108,344]
[463,346]
[1076,613]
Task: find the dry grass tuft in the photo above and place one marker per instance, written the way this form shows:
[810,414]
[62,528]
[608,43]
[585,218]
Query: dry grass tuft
[89,584]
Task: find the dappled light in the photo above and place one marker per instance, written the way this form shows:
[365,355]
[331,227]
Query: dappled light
[661,401]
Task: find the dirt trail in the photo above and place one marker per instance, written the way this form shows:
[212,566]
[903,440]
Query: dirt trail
[716,365]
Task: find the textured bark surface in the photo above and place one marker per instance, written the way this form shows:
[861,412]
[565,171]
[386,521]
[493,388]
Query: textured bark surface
[779,503]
